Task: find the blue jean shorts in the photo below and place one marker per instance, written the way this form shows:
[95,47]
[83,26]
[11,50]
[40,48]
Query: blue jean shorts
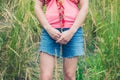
[75,47]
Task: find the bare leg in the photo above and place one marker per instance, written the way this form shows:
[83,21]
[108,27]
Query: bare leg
[46,66]
[69,68]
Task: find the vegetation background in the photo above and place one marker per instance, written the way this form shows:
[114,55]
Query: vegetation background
[20,34]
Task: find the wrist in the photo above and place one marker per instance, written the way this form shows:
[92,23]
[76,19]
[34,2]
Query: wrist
[47,28]
[73,30]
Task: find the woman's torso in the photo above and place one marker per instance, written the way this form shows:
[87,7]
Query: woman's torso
[70,13]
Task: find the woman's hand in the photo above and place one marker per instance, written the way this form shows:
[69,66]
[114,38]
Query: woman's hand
[54,33]
[65,37]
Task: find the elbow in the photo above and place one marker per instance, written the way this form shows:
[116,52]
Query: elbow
[86,8]
[37,8]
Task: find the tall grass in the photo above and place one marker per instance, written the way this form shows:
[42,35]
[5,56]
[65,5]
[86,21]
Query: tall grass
[102,61]
[19,41]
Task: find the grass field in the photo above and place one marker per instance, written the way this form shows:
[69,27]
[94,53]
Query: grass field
[20,34]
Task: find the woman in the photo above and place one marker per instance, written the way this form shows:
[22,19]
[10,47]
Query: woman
[62,28]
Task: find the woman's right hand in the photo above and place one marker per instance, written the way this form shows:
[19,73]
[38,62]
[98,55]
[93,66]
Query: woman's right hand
[54,33]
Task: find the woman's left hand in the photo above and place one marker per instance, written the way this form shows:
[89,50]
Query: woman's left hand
[65,37]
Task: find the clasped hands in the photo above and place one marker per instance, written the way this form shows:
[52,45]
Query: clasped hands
[62,38]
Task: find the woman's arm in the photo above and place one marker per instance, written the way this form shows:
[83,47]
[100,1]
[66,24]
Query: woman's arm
[81,15]
[67,35]
[55,34]
[40,14]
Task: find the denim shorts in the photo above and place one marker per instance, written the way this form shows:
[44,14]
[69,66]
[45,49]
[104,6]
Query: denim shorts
[75,47]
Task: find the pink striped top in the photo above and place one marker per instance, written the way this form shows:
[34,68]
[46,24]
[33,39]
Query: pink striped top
[69,13]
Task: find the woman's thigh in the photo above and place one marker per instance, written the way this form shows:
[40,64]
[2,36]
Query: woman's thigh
[70,65]
[46,63]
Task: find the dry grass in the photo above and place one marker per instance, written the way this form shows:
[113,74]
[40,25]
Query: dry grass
[19,42]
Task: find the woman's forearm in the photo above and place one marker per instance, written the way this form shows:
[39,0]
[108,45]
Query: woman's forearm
[80,18]
[41,16]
